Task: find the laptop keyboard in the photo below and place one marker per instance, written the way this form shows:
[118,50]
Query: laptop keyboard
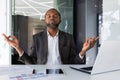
[87,68]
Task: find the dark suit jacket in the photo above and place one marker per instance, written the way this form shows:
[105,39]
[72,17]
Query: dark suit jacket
[39,51]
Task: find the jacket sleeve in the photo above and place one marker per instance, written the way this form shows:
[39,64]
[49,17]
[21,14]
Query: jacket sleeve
[30,58]
[74,57]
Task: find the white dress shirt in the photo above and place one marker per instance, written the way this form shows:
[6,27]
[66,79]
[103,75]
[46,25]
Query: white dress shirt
[53,50]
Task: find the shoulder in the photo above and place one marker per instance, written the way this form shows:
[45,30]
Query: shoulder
[61,33]
[40,34]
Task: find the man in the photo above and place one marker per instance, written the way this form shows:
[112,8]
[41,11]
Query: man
[52,46]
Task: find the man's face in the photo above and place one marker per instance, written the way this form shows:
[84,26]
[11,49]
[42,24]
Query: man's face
[52,19]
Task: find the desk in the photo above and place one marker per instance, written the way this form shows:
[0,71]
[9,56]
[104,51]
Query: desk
[69,74]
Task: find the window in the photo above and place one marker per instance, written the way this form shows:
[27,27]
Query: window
[4,28]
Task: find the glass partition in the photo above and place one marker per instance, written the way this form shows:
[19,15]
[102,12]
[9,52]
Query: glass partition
[5,27]
[65,7]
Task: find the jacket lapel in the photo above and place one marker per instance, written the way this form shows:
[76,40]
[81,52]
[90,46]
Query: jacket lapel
[61,44]
[45,46]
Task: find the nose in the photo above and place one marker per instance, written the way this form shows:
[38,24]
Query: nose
[52,17]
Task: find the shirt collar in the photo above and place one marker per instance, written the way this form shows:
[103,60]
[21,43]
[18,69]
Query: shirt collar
[48,34]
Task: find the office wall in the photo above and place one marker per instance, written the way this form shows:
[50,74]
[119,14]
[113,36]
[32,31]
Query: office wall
[111,20]
[85,26]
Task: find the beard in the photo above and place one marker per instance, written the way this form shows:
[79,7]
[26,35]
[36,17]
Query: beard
[52,24]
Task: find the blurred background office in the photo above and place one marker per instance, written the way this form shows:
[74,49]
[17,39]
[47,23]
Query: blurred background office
[82,18]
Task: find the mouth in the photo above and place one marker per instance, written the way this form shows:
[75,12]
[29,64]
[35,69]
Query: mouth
[52,22]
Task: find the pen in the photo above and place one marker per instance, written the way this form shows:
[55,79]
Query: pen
[34,71]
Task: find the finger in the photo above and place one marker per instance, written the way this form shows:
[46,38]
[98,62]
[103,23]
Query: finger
[93,39]
[87,40]
[92,42]
[11,38]
[96,38]
[5,36]
[14,37]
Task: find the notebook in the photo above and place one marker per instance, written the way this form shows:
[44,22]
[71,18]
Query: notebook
[107,60]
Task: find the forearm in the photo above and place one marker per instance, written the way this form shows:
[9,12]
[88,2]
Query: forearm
[19,50]
[24,57]
[79,60]
[82,52]
[27,59]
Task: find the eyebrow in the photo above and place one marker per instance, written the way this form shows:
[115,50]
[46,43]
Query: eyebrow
[54,14]
[49,14]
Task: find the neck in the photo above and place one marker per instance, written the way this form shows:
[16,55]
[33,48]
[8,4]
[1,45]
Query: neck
[53,32]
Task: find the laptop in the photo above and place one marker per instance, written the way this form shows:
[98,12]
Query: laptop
[107,60]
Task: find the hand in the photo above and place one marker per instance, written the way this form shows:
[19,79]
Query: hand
[12,41]
[89,43]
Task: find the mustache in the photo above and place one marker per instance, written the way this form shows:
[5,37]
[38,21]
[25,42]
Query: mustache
[52,22]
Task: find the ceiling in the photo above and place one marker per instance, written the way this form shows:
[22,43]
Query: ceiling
[32,8]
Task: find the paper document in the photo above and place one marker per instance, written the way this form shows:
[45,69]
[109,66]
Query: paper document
[28,76]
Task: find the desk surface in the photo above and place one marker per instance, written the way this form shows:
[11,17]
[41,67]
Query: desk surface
[69,74]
